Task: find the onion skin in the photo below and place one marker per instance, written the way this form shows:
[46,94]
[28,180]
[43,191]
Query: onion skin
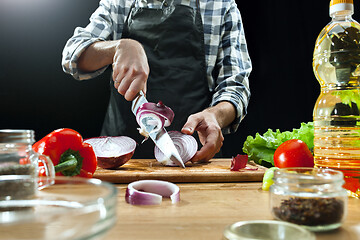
[239,162]
[151,192]
[112,152]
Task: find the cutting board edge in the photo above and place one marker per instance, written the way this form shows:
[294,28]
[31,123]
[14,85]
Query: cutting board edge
[181,179]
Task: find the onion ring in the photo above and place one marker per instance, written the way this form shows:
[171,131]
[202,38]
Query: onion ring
[151,192]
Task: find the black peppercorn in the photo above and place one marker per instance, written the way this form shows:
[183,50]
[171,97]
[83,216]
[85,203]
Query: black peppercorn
[310,211]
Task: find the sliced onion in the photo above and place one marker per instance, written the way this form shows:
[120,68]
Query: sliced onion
[162,111]
[153,119]
[239,162]
[151,192]
[185,144]
[112,152]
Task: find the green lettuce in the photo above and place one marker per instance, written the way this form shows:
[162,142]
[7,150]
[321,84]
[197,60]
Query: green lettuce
[261,149]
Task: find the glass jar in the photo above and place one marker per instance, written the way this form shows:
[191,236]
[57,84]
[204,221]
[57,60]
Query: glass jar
[18,159]
[311,197]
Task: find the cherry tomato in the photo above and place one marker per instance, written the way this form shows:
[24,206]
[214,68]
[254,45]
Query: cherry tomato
[293,153]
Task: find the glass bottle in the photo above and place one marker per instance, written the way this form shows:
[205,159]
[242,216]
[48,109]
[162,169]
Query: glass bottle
[311,197]
[336,64]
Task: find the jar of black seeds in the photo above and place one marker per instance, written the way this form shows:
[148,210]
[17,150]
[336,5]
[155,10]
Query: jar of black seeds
[311,197]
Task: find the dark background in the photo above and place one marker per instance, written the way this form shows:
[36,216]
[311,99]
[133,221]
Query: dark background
[36,94]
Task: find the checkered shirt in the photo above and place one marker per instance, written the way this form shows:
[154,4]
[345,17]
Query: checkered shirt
[226,55]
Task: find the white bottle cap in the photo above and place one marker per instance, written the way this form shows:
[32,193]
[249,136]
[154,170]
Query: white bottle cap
[345,6]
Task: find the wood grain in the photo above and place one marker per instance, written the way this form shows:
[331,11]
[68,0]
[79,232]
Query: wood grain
[205,209]
[217,170]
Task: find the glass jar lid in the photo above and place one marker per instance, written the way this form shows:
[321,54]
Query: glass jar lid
[266,229]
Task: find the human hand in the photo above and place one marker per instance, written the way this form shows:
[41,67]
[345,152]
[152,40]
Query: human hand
[130,68]
[209,131]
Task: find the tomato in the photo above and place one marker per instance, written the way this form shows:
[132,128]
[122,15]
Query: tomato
[293,153]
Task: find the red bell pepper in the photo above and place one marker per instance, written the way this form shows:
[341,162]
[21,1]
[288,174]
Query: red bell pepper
[69,154]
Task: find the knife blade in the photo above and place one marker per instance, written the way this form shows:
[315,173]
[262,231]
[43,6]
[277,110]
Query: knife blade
[160,137]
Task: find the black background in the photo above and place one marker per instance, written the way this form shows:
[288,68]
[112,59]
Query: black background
[36,94]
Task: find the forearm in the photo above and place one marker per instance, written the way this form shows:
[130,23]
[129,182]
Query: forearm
[224,112]
[97,55]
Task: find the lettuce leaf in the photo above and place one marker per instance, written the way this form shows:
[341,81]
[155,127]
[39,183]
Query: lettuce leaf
[261,149]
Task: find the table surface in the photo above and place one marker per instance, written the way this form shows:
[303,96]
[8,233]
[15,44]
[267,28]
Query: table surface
[205,210]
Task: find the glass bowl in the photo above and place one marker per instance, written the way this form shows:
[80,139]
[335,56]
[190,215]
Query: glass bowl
[72,208]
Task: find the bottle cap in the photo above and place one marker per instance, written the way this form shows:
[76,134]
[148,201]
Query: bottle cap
[344,6]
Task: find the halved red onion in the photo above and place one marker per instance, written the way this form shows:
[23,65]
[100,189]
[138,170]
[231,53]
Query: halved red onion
[151,192]
[112,152]
[185,144]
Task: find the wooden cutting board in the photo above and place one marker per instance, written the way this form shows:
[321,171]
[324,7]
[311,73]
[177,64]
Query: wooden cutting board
[217,170]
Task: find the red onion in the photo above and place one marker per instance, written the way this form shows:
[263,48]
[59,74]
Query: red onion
[161,114]
[185,144]
[112,152]
[150,192]
[239,162]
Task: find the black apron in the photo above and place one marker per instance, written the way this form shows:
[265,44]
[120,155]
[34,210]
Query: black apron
[173,40]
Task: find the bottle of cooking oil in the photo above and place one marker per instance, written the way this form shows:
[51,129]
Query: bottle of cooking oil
[336,65]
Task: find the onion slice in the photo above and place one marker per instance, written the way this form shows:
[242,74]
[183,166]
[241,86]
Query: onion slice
[112,152]
[156,108]
[156,114]
[151,192]
[185,144]
[240,162]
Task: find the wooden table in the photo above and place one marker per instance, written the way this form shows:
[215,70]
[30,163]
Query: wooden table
[205,210]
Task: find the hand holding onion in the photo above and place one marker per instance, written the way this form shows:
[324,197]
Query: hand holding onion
[208,124]
[209,133]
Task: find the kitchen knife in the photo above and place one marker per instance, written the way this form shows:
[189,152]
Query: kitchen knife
[160,137]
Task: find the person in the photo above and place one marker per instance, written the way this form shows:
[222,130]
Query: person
[190,54]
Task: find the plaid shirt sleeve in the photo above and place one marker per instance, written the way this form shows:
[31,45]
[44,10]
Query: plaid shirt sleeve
[233,65]
[99,29]
[228,62]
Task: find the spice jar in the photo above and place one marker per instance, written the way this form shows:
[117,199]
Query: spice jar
[311,197]
[19,165]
